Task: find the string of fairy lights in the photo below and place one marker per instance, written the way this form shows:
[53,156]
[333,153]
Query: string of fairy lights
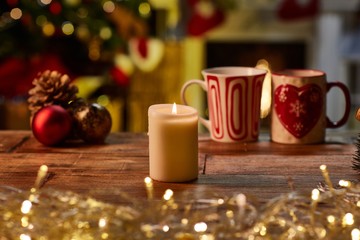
[328,212]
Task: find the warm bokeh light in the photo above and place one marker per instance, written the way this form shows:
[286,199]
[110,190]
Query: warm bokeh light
[348,219]
[355,234]
[102,222]
[148,180]
[144,9]
[166,228]
[331,219]
[72,2]
[315,194]
[16,13]
[48,29]
[67,28]
[103,100]
[323,167]
[105,33]
[200,227]
[41,20]
[25,237]
[108,6]
[45,2]
[82,13]
[26,207]
[82,32]
[94,49]
[168,194]
[344,183]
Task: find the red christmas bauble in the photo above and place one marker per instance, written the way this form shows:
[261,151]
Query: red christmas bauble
[51,125]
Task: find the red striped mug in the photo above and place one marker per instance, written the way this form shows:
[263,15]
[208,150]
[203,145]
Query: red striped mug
[233,97]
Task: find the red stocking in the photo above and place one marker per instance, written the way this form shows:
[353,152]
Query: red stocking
[205,16]
[294,9]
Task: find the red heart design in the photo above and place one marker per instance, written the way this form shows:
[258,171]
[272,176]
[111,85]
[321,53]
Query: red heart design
[298,109]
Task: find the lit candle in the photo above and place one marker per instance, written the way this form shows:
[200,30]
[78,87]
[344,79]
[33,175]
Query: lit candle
[173,142]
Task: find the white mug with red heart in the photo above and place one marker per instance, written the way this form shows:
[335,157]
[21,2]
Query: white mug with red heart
[298,113]
[233,97]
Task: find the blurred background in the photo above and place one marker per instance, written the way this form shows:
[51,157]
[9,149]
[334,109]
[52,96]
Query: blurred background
[130,54]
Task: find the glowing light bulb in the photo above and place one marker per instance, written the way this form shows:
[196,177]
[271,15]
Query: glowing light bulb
[355,234]
[263,231]
[166,228]
[25,237]
[344,183]
[200,227]
[102,222]
[323,167]
[331,219]
[26,207]
[241,200]
[315,194]
[168,194]
[148,181]
[348,219]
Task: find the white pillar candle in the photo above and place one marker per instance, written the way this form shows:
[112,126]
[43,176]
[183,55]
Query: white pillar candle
[173,143]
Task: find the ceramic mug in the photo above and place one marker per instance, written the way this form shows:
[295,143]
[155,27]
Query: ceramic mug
[233,97]
[298,113]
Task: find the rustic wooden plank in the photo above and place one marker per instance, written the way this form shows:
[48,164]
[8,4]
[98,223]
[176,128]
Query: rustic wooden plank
[10,141]
[269,148]
[80,172]
[276,164]
[135,144]
[261,169]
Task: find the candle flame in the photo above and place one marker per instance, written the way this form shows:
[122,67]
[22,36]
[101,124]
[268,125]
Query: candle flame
[266,88]
[174,109]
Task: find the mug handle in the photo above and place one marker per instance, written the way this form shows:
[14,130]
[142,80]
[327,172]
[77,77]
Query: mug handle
[345,90]
[202,84]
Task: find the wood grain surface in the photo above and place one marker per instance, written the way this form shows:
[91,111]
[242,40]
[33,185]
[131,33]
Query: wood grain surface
[262,169]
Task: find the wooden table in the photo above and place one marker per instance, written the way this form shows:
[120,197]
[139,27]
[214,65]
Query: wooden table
[262,169]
